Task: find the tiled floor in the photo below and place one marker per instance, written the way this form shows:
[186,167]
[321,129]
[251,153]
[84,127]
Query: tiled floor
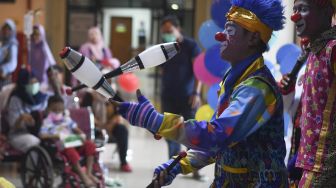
[144,155]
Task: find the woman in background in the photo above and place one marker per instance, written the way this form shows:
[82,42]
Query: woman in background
[96,50]
[41,57]
[23,111]
[8,52]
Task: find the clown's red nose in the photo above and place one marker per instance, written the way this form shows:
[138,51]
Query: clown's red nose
[220,36]
[296,17]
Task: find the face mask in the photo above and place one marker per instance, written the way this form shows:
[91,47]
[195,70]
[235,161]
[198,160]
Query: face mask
[168,37]
[56,116]
[33,89]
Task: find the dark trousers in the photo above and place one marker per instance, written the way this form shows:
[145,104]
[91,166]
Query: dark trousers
[181,107]
[120,134]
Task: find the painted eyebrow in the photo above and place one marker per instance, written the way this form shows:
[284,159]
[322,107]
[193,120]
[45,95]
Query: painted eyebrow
[229,24]
[301,5]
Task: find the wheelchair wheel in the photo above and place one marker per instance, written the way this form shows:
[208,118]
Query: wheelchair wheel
[37,169]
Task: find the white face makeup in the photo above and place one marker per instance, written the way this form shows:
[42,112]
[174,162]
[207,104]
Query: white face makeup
[302,8]
[230,30]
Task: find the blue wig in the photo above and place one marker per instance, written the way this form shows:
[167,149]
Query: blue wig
[270,12]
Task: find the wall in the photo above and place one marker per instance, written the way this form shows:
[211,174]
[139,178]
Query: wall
[137,15]
[55,26]
[202,13]
[17,10]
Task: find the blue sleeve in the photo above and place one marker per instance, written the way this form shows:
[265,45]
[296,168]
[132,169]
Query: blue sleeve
[196,160]
[248,110]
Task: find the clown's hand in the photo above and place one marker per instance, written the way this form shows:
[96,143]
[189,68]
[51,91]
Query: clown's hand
[162,177]
[140,114]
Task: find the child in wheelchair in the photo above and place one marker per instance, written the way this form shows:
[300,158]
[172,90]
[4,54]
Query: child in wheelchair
[58,126]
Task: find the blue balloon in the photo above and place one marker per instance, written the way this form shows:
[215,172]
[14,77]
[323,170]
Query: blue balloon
[206,33]
[288,62]
[219,8]
[212,96]
[214,63]
[285,50]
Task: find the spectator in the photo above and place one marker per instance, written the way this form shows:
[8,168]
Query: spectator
[41,57]
[179,70]
[58,124]
[8,52]
[96,50]
[107,118]
[56,86]
[25,103]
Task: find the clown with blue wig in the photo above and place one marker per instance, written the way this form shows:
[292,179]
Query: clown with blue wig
[245,137]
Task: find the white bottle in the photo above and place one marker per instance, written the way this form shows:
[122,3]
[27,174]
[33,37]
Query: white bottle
[86,72]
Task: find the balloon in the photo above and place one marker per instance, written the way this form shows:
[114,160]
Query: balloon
[201,73]
[128,82]
[285,50]
[287,63]
[204,113]
[212,96]
[206,33]
[214,63]
[219,8]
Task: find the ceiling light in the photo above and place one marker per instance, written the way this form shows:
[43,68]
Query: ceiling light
[175,6]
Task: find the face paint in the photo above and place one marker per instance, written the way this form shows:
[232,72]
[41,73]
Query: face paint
[300,11]
[229,32]
[307,23]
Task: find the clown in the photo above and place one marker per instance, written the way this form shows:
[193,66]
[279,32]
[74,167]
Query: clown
[245,136]
[316,154]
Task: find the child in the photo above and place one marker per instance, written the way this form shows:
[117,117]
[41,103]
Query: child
[316,155]
[57,124]
[245,137]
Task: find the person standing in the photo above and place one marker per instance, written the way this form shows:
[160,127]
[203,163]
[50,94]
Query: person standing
[316,154]
[41,57]
[180,91]
[8,52]
[96,50]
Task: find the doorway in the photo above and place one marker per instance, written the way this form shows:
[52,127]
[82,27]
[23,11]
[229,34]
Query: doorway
[121,38]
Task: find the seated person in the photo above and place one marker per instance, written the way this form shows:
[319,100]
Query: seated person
[58,124]
[56,86]
[107,118]
[23,111]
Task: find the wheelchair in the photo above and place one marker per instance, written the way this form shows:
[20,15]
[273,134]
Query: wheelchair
[41,164]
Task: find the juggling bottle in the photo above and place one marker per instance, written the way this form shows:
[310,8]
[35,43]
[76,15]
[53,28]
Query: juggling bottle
[153,56]
[85,71]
